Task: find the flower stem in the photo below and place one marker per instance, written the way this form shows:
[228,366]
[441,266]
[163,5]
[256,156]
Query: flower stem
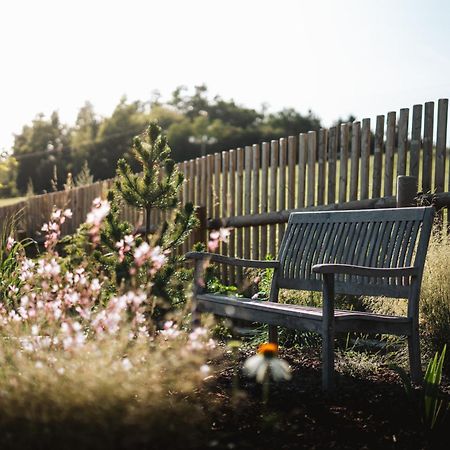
[265,388]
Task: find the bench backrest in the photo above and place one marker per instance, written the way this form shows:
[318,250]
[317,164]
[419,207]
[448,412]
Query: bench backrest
[373,238]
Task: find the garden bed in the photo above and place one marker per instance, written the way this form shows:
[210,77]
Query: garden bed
[367,411]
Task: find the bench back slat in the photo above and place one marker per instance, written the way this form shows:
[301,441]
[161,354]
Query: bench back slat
[373,238]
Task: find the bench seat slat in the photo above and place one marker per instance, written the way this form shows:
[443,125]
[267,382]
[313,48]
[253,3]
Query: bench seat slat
[300,317]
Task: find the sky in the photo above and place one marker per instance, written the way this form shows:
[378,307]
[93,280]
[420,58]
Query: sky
[363,57]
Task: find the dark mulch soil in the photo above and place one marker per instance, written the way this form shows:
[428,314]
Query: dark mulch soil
[368,412]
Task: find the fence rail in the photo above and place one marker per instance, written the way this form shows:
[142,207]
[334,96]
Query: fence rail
[354,162]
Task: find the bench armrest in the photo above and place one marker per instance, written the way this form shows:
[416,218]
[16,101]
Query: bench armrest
[363,271]
[213,257]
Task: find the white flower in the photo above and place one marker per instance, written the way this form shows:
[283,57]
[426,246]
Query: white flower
[170,330]
[266,363]
[95,285]
[126,364]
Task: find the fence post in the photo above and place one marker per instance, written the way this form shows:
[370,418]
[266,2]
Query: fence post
[406,191]
[199,233]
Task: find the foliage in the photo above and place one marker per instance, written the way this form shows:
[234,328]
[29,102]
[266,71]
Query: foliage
[433,404]
[435,294]
[429,401]
[78,351]
[193,121]
[122,253]
[94,395]
[8,174]
[38,149]
[85,176]
[11,253]
[158,183]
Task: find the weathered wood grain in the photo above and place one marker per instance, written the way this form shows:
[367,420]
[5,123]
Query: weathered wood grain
[322,166]
[354,160]
[390,148]
[365,159]
[343,163]
[416,141]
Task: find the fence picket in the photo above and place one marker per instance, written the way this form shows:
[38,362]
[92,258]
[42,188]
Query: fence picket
[390,147]
[427,146]
[302,169]
[365,159]
[225,203]
[354,160]
[332,161]
[247,197]
[378,157]
[312,152]
[232,211]
[321,173]
[265,160]
[255,199]
[191,194]
[209,184]
[402,141]
[282,184]
[441,142]
[273,194]
[239,207]
[217,164]
[292,153]
[416,141]
[343,167]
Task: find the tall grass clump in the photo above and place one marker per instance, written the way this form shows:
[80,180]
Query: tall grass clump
[435,296]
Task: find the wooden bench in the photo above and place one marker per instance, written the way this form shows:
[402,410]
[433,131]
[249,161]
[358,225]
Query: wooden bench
[363,252]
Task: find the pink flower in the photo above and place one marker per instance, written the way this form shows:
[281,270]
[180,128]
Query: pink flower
[145,253]
[9,243]
[221,235]
[100,209]
[124,246]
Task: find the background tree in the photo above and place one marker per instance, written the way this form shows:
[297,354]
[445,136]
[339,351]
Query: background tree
[38,149]
[155,186]
[85,176]
[158,183]
[194,122]
[8,173]
[114,134]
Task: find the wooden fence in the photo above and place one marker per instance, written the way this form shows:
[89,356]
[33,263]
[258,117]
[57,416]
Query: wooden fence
[353,162]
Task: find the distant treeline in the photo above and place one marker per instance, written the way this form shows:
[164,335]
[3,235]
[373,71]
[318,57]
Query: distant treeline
[48,150]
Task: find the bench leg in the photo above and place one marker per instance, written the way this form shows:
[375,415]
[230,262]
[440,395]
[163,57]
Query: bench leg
[195,319]
[415,365]
[328,362]
[328,333]
[273,334]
